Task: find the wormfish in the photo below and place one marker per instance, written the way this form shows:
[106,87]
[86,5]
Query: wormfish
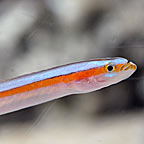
[80,77]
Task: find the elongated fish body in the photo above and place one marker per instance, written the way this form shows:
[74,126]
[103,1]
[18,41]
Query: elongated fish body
[75,78]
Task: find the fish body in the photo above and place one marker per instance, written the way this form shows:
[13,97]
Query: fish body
[75,78]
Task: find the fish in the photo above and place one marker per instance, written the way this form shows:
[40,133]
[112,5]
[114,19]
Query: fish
[75,78]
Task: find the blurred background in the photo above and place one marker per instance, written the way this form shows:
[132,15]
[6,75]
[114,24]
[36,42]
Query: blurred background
[40,34]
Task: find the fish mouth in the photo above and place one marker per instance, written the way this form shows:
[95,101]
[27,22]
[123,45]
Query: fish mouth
[128,66]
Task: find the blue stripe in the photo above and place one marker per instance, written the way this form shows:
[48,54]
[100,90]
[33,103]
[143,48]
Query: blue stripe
[63,70]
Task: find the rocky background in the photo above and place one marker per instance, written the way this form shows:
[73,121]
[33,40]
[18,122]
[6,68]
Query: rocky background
[39,34]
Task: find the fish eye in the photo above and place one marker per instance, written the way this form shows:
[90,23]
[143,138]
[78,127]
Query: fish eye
[110,67]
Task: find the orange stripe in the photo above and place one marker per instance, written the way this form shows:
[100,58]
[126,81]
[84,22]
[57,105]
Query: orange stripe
[48,82]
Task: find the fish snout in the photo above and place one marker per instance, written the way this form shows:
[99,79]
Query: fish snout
[129,66]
